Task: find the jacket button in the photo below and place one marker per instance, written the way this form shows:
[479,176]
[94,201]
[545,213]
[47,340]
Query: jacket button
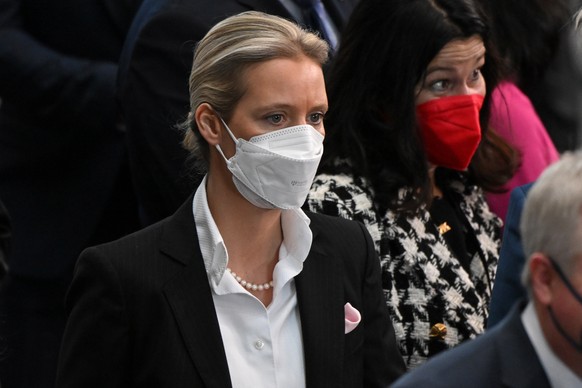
[439,331]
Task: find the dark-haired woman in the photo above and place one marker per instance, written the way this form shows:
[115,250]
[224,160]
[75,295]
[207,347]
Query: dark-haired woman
[408,154]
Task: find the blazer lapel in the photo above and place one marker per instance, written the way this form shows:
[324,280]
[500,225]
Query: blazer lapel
[518,354]
[320,299]
[190,298]
[486,229]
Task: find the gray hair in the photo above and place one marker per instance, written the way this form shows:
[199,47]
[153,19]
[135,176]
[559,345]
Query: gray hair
[551,222]
[226,52]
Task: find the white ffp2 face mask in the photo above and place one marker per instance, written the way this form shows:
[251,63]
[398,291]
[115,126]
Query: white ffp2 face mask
[275,170]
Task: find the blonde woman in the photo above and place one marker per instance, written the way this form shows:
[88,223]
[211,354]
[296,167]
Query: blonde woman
[239,287]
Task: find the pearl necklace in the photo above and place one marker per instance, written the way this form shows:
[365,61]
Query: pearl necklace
[249,285]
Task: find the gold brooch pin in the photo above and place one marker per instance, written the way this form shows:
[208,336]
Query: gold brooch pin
[438,330]
[444,228]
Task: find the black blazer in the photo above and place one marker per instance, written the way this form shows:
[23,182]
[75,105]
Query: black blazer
[507,287]
[141,312]
[153,89]
[502,357]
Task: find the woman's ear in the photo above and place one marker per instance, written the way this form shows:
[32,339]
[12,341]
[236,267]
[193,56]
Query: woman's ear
[208,123]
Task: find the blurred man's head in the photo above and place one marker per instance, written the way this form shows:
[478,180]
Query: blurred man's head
[551,230]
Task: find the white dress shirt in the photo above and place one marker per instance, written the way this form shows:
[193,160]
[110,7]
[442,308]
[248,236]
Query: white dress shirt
[263,345]
[558,373]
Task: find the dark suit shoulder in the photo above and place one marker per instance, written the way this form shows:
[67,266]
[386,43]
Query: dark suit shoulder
[502,357]
[153,256]
[136,242]
[472,364]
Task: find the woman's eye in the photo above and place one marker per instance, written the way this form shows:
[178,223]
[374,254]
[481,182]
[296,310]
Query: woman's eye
[476,74]
[440,86]
[316,118]
[275,119]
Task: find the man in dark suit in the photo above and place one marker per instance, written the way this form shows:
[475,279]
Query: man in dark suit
[153,81]
[507,287]
[539,344]
[63,175]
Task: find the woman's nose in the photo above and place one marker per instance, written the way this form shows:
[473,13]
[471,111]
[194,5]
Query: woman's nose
[470,89]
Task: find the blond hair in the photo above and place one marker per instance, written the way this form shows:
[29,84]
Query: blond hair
[225,53]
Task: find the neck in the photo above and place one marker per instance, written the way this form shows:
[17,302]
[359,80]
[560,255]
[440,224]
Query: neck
[252,235]
[436,191]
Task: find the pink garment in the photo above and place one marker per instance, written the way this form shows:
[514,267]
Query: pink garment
[515,119]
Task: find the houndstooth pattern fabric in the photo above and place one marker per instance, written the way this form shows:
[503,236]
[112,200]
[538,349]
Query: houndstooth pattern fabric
[423,282]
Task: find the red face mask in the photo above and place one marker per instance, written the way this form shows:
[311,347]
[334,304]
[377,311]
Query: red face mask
[450,129]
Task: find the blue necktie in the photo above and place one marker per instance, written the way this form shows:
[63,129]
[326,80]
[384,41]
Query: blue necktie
[317,18]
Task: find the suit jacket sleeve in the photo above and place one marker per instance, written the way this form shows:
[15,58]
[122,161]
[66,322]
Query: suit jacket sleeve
[507,287]
[50,84]
[95,347]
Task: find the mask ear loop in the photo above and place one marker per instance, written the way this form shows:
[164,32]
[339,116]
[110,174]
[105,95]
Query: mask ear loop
[562,331]
[565,280]
[576,295]
[234,139]
[228,130]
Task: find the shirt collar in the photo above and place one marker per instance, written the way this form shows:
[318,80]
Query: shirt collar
[558,373]
[211,242]
[296,234]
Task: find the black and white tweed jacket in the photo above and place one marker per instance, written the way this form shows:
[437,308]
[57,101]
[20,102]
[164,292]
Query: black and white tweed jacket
[424,283]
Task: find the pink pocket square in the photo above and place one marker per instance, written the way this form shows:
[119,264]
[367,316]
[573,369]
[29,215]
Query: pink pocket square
[352,319]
